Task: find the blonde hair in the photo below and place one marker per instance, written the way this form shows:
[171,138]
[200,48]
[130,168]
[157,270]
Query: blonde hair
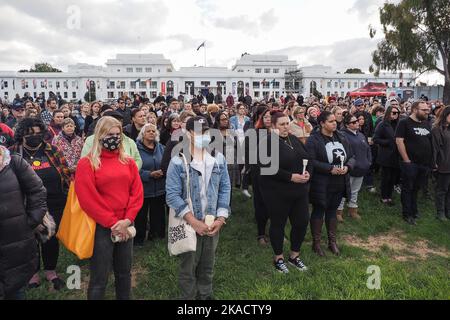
[298,110]
[212,108]
[144,129]
[101,130]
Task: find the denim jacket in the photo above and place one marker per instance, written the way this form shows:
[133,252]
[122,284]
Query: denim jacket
[218,192]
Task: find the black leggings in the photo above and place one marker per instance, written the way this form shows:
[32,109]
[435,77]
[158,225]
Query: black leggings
[153,207]
[261,214]
[389,177]
[279,211]
[49,251]
[333,201]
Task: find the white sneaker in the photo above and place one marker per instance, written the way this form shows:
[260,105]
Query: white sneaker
[398,189]
[246,193]
[373,190]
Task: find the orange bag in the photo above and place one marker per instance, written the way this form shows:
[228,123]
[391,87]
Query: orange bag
[77,229]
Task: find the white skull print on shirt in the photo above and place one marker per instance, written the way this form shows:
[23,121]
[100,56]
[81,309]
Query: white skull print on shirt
[336,153]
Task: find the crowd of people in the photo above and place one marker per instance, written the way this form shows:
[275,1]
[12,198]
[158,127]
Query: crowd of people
[125,161]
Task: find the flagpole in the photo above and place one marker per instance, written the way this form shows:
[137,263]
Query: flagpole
[205,53]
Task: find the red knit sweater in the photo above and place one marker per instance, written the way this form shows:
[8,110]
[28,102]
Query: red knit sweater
[113,192]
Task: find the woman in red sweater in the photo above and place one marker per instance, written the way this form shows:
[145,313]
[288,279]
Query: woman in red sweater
[109,190]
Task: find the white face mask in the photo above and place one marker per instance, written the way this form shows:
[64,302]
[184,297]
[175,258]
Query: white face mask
[202,142]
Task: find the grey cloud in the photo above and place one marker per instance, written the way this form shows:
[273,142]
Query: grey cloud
[353,53]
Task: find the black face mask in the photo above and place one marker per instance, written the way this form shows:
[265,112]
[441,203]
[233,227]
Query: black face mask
[111,143]
[34,141]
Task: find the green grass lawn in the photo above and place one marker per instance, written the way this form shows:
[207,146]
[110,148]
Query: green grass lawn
[244,270]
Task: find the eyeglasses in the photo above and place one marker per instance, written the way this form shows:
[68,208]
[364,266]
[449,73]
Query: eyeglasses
[224,119]
[394,113]
[353,122]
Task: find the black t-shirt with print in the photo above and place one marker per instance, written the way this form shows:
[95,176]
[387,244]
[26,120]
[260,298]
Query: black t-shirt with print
[335,150]
[417,137]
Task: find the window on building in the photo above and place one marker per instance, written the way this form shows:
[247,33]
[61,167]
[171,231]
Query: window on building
[266,85]
[50,84]
[153,94]
[276,85]
[267,70]
[336,84]
[129,69]
[342,85]
[393,84]
[255,85]
[256,94]
[5,84]
[122,84]
[133,84]
[276,70]
[328,84]
[205,83]
[143,85]
[153,85]
[66,95]
[138,69]
[110,95]
[74,84]
[169,69]
[34,95]
[258,70]
[240,70]
[355,84]
[111,85]
[118,70]
[74,95]
[148,69]
[349,84]
[342,93]
[328,93]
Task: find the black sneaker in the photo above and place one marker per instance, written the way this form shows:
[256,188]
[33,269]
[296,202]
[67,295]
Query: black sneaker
[280,266]
[296,262]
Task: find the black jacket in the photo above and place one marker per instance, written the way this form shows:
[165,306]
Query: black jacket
[279,187]
[131,132]
[384,137]
[18,247]
[322,168]
[126,113]
[441,149]
[361,151]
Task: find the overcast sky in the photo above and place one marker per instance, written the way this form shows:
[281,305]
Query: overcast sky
[326,32]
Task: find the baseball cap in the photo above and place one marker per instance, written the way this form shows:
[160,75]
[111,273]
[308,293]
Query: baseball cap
[17,105]
[197,122]
[359,102]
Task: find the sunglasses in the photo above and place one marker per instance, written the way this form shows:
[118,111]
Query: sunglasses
[395,112]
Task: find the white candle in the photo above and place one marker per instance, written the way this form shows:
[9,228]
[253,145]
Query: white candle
[305,164]
[342,162]
[209,220]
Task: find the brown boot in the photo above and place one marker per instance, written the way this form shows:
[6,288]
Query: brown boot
[340,215]
[316,231]
[353,212]
[331,225]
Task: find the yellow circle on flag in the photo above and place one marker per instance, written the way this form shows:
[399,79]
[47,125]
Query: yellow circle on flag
[36,163]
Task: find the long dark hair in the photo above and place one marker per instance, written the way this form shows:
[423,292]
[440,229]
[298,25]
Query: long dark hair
[323,117]
[217,120]
[387,115]
[441,121]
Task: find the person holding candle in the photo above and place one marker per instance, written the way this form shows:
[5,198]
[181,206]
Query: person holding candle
[332,158]
[363,160]
[285,192]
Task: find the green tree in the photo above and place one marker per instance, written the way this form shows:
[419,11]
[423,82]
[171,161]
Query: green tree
[354,71]
[43,67]
[417,37]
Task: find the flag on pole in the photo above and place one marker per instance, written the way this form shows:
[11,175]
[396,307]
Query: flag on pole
[202,45]
[2,84]
[138,80]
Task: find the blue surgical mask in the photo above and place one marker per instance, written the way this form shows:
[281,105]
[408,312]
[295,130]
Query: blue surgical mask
[202,142]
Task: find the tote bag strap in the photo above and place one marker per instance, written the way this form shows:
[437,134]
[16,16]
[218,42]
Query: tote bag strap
[188,184]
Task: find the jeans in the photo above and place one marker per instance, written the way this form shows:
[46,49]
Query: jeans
[413,176]
[197,269]
[443,194]
[355,186]
[389,177]
[107,254]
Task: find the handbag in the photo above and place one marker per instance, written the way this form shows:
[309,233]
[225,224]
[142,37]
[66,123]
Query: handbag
[77,229]
[181,236]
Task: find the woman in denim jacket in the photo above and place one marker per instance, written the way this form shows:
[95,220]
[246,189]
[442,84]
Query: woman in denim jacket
[210,195]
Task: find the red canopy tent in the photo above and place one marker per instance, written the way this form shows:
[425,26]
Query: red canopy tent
[371,89]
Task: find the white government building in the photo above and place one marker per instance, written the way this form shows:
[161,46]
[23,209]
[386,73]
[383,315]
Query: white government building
[128,74]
